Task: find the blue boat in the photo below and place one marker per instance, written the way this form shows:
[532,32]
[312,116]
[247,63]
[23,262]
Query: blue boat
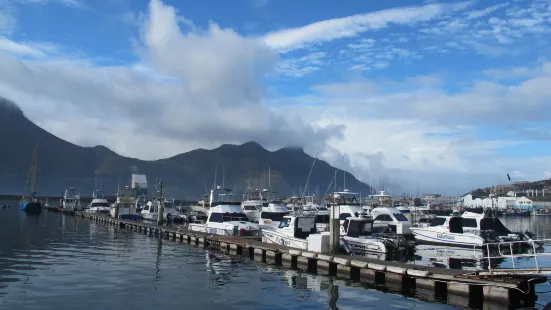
[31,203]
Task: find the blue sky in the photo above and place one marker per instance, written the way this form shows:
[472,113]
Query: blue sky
[455,93]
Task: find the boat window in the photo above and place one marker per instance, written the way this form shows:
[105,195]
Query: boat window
[400,217]
[344,216]
[456,225]
[438,221]
[469,223]
[249,208]
[228,217]
[383,217]
[100,204]
[324,219]
[274,216]
[284,222]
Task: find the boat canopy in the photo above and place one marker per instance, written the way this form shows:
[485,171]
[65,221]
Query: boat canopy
[456,225]
[492,223]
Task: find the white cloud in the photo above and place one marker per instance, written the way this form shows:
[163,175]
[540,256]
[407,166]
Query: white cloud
[71,3]
[200,88]
[7,20]
[260,3]
[486,11]
[30,49]
[350,26]
[404,130]
[301,66]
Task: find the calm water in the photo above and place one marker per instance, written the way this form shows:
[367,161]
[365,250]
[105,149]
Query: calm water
[59,262]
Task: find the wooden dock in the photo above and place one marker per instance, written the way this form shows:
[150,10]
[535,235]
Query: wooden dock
[455,287]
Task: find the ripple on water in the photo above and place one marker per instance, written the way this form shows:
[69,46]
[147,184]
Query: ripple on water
[88,266]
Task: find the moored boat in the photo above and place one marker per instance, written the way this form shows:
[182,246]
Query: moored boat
[32,202]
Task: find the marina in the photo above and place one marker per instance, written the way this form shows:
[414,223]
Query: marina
[455,286]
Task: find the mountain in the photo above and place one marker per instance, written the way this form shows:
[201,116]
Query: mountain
[529,188]
[188,175]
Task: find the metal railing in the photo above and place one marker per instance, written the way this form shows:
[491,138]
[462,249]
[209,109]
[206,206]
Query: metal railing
[532,244]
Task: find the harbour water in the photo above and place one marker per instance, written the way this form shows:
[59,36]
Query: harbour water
[52,261]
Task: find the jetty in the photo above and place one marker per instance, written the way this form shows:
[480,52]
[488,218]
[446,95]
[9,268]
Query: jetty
[454,287]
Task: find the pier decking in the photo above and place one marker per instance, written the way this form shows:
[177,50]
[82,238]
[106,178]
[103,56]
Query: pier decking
[456,287]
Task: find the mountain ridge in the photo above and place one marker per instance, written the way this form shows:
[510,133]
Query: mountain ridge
[186,175]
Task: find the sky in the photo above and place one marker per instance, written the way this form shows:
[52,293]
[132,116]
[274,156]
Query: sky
[435,97]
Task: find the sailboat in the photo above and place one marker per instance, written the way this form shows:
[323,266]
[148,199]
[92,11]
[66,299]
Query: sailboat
[31,203]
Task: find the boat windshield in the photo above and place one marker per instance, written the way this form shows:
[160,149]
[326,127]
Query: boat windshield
[323,219]
[228,217]
[284,222]
[400,217]
[274,216]
[100,204]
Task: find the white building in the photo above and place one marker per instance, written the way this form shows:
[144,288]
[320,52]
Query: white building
[139,181]
[469,201]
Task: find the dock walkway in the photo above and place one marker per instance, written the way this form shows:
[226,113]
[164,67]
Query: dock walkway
[458,287]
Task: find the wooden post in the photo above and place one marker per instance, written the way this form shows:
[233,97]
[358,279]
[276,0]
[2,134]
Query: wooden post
[334,229]
[116,210]
[161,206]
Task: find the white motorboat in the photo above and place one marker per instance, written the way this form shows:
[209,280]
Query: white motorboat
[293,231]
[71,200]
[271,215]
[392,218]
[357,234]
[151,211]
[347,205]
[226,217]
[126,204]
[471,229]
[99,204]
[252,204]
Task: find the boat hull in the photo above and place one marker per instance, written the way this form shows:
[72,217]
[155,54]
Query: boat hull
[437,237]
[31,207]
[223,231]
[274,237]
[521,213]
[365,245]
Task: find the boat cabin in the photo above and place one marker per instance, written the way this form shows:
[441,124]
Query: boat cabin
[456,224]
[272,214]
[392,218]
[357,227]
[298,226]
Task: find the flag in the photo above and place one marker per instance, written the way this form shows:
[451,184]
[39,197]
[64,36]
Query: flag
[508,177]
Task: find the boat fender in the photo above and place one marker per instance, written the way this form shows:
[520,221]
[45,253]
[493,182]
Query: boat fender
[345,247]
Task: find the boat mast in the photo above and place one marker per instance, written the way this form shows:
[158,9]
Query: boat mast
[33,170]
[308,180]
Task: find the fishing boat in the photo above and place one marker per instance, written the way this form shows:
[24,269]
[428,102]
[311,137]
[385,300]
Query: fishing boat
[226,217]
[70,200]
[517,212]
[252,204]
[392,218]
[31,203]
[271,215]
[293,231]
[126,204]
[99,204]
[357,235]
[151,211]
[470,230]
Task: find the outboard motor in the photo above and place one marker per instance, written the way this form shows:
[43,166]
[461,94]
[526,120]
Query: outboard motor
[344,247]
